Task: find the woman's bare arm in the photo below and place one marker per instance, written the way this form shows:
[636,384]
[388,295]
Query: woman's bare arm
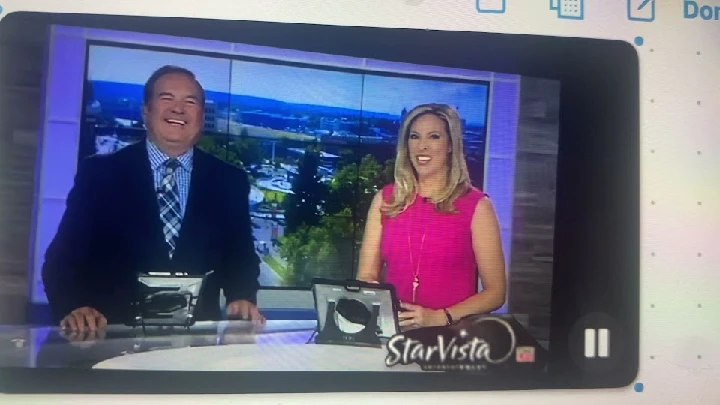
[370,260]
[487,246]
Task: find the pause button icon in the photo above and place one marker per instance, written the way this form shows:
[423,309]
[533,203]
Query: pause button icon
[597,343]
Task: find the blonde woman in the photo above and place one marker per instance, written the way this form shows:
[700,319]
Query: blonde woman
[432,230]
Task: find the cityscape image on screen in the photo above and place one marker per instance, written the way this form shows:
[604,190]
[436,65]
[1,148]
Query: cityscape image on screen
[317,141]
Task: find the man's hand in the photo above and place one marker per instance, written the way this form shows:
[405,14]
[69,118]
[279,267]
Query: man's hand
[416,316]
[84,319]
[245,310]
[83,339]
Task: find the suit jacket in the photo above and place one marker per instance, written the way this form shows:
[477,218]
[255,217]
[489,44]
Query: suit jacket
[111,230]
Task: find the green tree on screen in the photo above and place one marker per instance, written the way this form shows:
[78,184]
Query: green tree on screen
[213,145]
[247,149]
[305,205]
[331,247]
[369,177]
[325,250]
[243,152]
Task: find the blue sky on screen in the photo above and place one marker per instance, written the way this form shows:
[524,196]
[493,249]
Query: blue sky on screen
[134,66]
[297,85]
[381,94]
[291,84]
[392,94]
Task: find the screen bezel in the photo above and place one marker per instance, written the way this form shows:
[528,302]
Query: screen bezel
[596,266]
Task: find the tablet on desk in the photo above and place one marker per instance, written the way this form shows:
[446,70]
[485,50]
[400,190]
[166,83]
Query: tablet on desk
[354,304]
[167,298]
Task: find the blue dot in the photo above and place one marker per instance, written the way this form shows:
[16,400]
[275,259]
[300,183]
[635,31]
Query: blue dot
[639,387]
[639,41]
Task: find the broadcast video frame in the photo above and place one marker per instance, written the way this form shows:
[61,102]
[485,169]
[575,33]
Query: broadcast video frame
[510,147]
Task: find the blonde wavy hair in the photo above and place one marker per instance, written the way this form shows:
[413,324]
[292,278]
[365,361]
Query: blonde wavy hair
[406,182]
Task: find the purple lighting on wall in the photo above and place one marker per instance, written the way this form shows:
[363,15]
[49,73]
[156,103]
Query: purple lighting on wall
[500,155]
[59,142]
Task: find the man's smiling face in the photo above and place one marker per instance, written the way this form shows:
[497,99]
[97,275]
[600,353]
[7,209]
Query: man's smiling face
[174,116]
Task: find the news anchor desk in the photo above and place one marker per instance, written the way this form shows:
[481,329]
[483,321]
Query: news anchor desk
[279,345]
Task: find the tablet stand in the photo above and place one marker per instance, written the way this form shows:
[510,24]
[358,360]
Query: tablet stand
[166,300]
[331,333]
[179,317]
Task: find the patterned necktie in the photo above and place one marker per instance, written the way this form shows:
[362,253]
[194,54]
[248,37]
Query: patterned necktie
[169,200]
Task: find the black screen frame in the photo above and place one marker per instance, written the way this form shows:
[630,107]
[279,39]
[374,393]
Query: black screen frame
[597,232]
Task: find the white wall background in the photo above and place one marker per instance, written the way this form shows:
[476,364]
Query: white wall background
[680,164]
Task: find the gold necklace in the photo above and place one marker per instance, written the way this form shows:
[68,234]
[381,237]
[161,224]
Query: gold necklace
[416,267]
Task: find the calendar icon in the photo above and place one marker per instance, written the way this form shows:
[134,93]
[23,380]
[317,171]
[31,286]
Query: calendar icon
[569,9]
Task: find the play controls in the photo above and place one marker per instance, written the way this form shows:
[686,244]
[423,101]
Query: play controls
[597,343]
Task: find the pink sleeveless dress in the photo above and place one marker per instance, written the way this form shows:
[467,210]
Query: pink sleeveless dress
[445,262]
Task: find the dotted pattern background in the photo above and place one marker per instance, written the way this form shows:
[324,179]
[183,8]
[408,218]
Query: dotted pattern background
[680,169]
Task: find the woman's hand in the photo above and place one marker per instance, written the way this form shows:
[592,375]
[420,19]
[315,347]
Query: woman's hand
[416,316]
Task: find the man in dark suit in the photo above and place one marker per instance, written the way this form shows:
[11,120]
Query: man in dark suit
[157,205]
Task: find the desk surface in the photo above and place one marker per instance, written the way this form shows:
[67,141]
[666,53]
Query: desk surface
[280,345]
[207,346]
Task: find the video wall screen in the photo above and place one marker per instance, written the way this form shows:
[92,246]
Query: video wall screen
[323,132]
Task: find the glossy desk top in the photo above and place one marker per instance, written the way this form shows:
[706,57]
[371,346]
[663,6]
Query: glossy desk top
[52,347]
[280,345]
[207,346]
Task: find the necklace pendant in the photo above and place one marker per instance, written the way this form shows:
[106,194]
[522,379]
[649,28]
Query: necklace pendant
[416,283]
